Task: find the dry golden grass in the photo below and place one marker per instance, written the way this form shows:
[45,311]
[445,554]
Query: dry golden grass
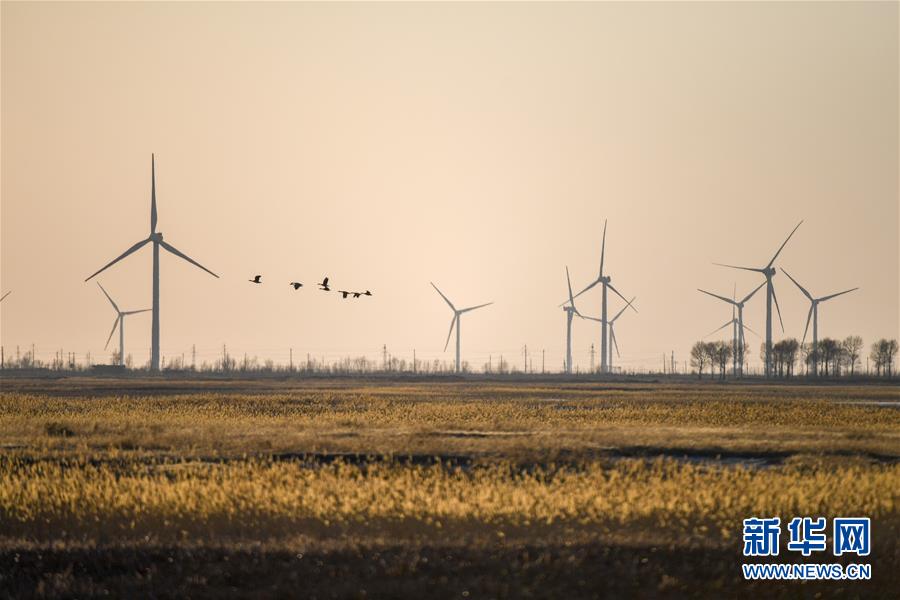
[102,487]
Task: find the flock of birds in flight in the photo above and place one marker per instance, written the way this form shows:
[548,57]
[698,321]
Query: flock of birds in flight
[322,286]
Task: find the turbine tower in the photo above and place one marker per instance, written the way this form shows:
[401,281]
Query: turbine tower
[607,285]
[768,272]
[157,239]
[814,315]
[120,322]
[738,340]
[457,318]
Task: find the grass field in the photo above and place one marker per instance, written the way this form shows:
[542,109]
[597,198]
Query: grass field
[431,489]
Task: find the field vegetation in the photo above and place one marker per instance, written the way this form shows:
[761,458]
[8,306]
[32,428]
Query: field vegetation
[431,489]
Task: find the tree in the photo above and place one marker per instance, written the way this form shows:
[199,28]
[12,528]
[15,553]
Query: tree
[721,352]
[828,352]
[852,346]
[698,358]
[882,354]
[786,352]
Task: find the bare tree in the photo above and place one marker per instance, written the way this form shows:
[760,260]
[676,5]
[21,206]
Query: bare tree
[698,358]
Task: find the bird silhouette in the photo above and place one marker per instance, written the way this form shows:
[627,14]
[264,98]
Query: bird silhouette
[296,285]
[257,279]
[357,294]
[344,293]
[367,293]
[324,285]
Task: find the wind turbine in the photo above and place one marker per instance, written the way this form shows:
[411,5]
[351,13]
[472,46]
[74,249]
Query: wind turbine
[607,285]
[768,272]
[457,318]
[120,322]
[814,315]
[738,340]
[612,331]
[157,239]
[570,312]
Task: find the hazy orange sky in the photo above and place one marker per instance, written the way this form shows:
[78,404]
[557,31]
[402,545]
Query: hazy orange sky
[480,146]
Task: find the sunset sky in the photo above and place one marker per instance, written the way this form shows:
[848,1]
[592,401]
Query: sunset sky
[479,146]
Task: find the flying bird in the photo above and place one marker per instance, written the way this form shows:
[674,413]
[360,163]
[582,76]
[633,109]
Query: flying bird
[324,285]
[257,279]
[296,285]
[367,293]
[5,295]
[357,294]
[344,293]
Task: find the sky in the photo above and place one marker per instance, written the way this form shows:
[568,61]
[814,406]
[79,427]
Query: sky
[478,146]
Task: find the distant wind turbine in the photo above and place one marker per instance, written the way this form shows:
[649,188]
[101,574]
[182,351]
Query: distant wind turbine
[120,322]
[814,315]
[737,339]
[457,319]
[156,238]
[768,272]
[606,281]
[570,311]
[612,330]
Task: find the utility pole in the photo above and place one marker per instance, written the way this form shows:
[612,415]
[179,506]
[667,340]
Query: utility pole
[673,362]
[542,361]
[384,357]
[526,359]
[592,358]
[664,363]
[491,365]
[414,361]
[292,360]
[193,357]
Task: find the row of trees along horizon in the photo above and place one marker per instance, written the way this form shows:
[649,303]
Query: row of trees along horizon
[835,358]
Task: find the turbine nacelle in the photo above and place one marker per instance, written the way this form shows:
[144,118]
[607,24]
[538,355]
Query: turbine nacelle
[156,236]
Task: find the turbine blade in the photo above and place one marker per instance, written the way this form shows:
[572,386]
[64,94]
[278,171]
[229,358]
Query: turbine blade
[751,294]
[628,304]
[603,248]
[719,329]
[447,300]
[134,312]
[737,267]
[121,256]
[108,298]
[838,294]
[449,333]
[748,329]
[624,308]
[180,254]
[808,317]
[115,323]
[784,244]
[581,292]
[5,295]
[152,193]
[465,310]
[569,283]
[777,308]
[802,289]
[723,298]
[612,334]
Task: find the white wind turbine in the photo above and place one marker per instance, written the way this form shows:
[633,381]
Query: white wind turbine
[612,330]
[457,318]
[814,315]
[570,312]
[120,323]
[768,272]
[607,285]
[738,340]
[156,238]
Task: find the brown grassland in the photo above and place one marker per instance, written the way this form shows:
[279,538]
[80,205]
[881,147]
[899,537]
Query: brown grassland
[342,488]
